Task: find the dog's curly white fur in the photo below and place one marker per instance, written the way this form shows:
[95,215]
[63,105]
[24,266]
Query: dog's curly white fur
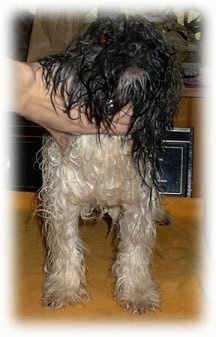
[73,188]
[119,61]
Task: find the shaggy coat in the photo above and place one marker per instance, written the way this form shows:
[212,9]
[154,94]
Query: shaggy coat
[118,61]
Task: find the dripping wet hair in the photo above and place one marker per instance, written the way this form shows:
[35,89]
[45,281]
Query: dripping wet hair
[120,60]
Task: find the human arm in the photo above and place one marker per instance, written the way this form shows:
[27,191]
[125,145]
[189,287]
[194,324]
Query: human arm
[32,101]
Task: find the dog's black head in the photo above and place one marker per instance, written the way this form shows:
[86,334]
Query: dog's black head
[120,60]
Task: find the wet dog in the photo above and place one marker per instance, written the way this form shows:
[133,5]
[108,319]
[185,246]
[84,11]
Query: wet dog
[119,61]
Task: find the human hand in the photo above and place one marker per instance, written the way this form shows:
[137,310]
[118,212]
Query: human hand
[61,127]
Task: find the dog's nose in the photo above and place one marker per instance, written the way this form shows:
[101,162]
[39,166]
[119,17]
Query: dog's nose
[133,48]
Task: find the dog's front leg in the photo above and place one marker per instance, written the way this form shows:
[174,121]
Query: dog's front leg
[135,289]
[65,269]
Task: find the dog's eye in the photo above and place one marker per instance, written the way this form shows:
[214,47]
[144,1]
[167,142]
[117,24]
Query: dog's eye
[103,40]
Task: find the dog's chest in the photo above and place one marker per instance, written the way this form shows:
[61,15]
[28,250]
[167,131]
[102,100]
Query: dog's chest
[99,171]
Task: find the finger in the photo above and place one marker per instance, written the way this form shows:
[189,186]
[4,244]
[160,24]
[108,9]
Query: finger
[124,116]
[61,138]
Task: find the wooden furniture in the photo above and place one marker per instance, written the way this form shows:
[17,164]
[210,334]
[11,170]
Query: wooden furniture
[190,114]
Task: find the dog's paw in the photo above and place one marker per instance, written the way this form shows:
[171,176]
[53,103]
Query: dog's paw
[140,303]
[61,298]
[164,219]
